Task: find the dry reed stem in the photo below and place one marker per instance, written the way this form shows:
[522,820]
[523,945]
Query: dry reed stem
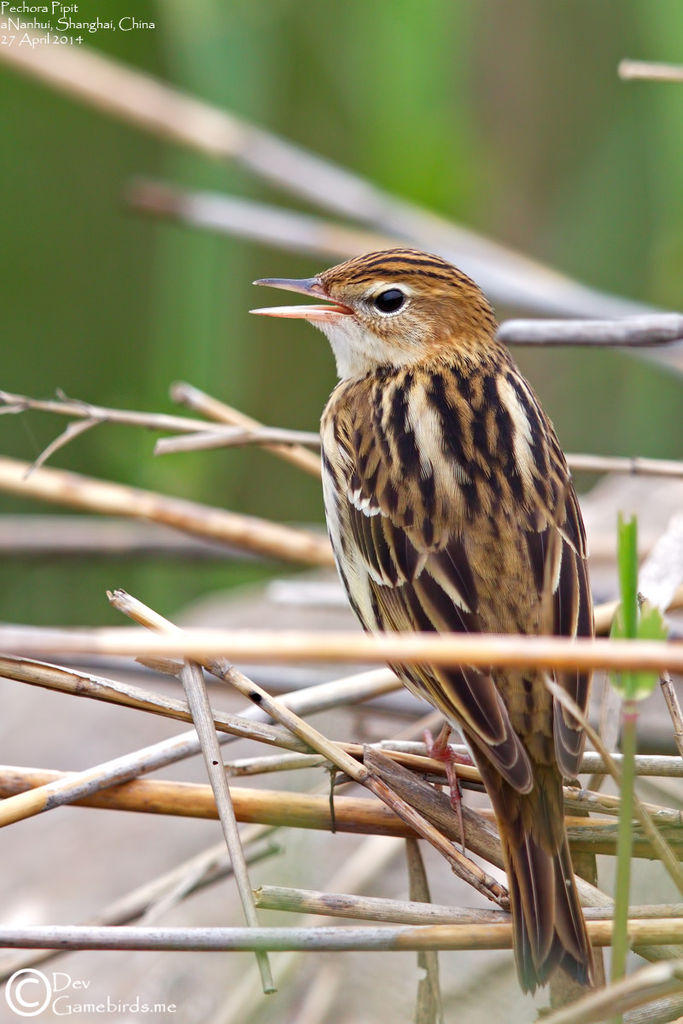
[284,808]
[260,222]
[646,329]
[234,437]
[192,679]
[12,403]
[259,536]
[268,647]
[418,762]
[388,911]
[480,836]
[604,803]
[664,765]
[405,938]
[213,409]
[461,864]
[258,806]
[636,465]
[429,1008]
[72,786]
[246,767]
[333,694]
[81,684]
[41,534]
[294,760]
[373,908]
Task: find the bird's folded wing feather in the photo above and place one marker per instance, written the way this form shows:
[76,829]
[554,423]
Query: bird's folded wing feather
[571,614]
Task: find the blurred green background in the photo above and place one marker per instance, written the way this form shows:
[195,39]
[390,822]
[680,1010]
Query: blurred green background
[507,118]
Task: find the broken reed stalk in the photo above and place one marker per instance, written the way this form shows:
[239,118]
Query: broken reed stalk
[461,864]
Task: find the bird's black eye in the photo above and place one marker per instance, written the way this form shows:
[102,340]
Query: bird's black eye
[389,301]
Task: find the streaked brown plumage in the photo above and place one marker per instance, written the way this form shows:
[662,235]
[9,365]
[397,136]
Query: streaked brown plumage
[450,507]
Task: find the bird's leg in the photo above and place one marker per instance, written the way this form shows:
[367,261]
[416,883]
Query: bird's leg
[440,750]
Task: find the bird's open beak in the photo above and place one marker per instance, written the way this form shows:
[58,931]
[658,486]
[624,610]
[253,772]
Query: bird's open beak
[307,286]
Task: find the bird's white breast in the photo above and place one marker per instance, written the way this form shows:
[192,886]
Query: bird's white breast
[358,350]
[351,566]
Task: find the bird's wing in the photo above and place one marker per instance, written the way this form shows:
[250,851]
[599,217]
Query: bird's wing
[566,587]
[420,579]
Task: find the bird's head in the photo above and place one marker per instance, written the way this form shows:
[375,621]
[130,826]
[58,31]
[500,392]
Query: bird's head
[392,308]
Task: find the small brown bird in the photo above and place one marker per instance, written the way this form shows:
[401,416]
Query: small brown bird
[450,507]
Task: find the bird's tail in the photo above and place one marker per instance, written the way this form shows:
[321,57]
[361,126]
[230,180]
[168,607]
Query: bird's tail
[548,923]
